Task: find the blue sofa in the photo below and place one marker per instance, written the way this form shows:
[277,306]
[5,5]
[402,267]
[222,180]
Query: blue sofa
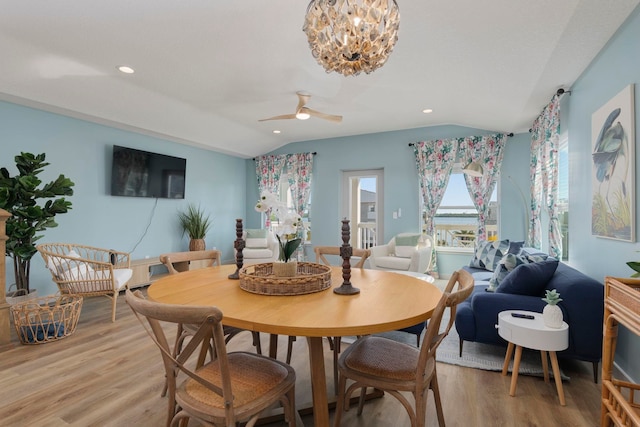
[582,307]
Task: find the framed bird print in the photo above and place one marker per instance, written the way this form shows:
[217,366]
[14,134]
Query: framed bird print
[613,174]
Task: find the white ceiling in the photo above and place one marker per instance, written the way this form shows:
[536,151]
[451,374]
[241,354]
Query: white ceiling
[207,70]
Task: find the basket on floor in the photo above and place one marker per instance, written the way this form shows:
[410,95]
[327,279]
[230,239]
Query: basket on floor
[46,319]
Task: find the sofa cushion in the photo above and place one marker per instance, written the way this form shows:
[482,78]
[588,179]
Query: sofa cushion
[257,253]
[406,245]
[529,279]
[256,238]
[393,262]
[488,254]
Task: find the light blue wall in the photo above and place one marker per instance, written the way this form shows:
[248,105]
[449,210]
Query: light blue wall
[391,152]
[617,66]
[82,151]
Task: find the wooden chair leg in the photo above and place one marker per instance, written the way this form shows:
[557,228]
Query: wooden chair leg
[114,301]
[256,342]
[436,398]
[336,352]
[290,348]
[595,372]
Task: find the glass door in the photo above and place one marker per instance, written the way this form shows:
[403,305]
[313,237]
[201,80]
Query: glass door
[362,205]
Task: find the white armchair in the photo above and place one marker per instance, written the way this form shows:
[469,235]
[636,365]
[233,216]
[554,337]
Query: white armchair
[411,253]
[260,246]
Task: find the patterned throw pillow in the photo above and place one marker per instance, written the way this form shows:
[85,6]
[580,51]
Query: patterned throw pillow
[488,254]
[504,267]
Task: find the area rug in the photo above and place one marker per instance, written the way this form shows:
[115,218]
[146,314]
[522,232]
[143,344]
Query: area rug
[477,355]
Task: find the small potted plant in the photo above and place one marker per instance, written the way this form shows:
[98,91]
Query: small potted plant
[195,224]
[552,314]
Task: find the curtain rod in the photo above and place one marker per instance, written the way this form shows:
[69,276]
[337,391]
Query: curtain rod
[314,153]
[411,144]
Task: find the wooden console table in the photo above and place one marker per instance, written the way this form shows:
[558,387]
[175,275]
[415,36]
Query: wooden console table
[143,275]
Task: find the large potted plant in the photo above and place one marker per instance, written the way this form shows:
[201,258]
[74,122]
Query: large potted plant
[32,207]
[195,224]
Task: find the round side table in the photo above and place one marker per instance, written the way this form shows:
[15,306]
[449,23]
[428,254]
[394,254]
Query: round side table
[532,333]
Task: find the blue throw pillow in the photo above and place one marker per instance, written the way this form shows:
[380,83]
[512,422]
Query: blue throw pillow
[488,254]
[529,279]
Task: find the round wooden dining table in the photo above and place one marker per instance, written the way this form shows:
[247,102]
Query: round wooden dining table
[387,301]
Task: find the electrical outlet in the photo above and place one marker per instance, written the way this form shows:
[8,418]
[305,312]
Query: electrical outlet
[395,214]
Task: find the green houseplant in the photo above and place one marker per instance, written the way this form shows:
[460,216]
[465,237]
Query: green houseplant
[20,196]
[195,224]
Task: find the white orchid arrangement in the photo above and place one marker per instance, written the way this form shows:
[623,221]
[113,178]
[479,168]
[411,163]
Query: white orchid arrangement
[288,239]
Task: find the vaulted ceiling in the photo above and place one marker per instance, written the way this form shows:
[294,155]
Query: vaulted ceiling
[207,71]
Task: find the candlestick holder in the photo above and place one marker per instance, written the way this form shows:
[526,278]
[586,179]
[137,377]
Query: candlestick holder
[345,253]
[238,244]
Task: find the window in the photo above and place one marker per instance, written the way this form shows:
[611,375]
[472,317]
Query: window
[456,219]
[286,197]
[563,193]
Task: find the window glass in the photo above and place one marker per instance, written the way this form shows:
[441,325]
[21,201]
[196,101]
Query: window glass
[457,218]
[563,193]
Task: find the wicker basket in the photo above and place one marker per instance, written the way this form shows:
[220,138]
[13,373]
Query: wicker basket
[46,319]
[311,277]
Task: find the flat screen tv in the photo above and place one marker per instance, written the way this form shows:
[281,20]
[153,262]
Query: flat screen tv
[138,173]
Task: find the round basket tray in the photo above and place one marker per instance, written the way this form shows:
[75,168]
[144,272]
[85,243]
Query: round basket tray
[310,277]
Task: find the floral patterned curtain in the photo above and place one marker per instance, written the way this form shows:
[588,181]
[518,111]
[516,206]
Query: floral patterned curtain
[488,151]
[545,137]
[434,161]
[299,168]
[268,172]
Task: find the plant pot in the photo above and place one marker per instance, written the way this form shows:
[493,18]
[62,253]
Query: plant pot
[552,316]
[197,245]
[285,269]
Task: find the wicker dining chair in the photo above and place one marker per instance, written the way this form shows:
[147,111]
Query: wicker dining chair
[177,262]
[87,271]
[395,367]
[232,388]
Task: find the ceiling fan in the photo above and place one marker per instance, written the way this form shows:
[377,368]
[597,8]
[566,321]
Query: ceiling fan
[303,113]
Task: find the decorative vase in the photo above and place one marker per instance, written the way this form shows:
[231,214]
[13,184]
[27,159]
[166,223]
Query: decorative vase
[197,245]
[285,269]
[552,316]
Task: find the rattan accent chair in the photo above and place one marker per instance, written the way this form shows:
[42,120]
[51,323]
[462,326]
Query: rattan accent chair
[87,271]
[395,367]
[233,388]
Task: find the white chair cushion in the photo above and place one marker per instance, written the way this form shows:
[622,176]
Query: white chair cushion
[393,262]
[81,272]
[257,253]
[405,251]
[256,243]
[121,276]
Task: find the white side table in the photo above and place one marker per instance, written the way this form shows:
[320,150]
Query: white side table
[533,334]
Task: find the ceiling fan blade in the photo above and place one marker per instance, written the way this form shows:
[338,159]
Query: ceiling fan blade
[282,117]
[320,115]
[303,98]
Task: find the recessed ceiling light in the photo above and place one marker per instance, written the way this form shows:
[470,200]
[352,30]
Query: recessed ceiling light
[276,131]
[427,110]
[125,69]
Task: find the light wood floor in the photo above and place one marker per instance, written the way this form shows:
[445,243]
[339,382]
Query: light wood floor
[110,374]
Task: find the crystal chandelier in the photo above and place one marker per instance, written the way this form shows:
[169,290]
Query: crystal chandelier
[351,36]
